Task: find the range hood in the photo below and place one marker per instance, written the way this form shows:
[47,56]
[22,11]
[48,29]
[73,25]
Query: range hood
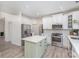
[56,26]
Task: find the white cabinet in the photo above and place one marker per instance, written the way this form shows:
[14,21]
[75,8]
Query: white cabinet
[57,19]
[76,18]
[76,15]
[65,22]
[61,19]
[47,23]
[35,50]
[54,19]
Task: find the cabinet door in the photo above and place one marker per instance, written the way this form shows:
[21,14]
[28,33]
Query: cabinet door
[27,50]
[65,22]
[76,18]
[39,49]
[57,19]
[43,46]
[47,23]
[30,49]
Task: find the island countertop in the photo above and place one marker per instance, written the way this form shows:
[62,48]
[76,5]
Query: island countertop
[34,39]
[75,43]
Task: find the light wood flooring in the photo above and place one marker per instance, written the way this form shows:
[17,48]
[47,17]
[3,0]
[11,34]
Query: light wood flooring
[8,50]
[56,52]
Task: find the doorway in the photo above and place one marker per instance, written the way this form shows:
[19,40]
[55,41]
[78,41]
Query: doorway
[2,27]
[2,32]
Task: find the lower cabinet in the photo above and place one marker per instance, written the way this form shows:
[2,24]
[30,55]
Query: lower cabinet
[35,50]
[74,53]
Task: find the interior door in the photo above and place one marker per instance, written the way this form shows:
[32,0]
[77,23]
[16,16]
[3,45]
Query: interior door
[10,31]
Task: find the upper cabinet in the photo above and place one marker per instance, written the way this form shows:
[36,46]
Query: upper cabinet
[76,15]
[73,20]
[58,19]
[50,20]
[76,20]
[68,21]
[70,26]
[47,22]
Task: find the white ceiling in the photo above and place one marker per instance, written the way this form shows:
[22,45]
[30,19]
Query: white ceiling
[36,8]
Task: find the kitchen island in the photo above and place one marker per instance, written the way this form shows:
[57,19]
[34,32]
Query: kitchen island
[74,40]
[35,46]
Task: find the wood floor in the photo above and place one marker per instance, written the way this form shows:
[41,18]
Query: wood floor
[8,50]
[56,52]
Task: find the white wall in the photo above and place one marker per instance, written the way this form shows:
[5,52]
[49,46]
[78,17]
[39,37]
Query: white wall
[15,33]
[2,25]
[36,23]
[25,20]
[13,27]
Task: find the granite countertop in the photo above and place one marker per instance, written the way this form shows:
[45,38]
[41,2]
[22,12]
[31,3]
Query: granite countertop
[34,39]
[75,43]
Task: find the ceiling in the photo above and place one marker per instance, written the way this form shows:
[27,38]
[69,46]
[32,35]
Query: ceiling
[36,8]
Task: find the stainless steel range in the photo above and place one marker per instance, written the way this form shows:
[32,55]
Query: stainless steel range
[57,38]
